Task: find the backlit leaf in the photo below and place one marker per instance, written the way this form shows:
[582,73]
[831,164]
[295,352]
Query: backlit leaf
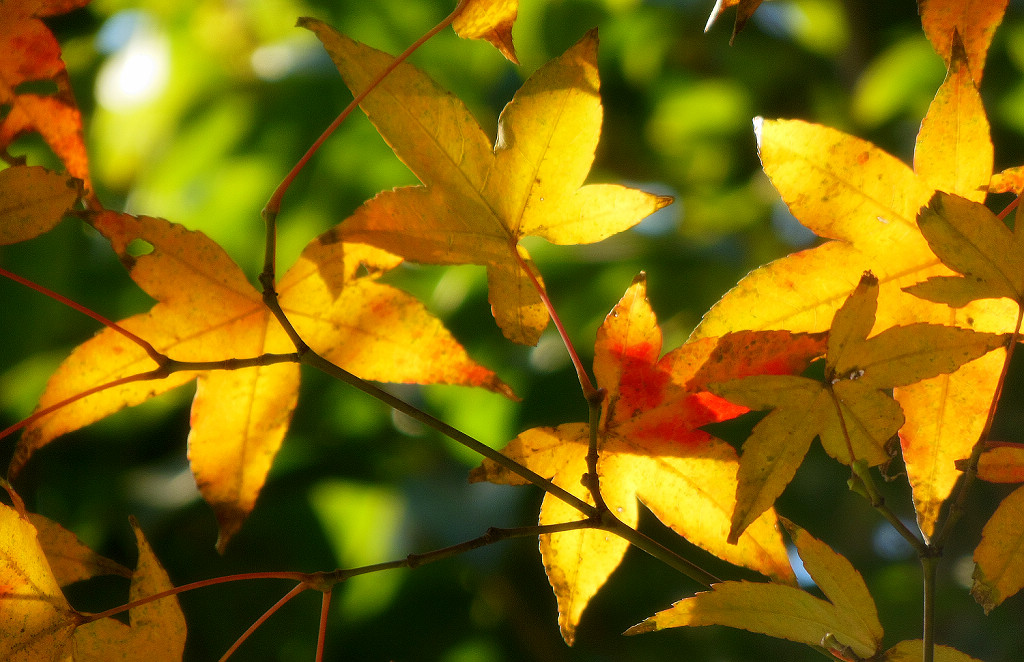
[851,411]
[999,558]
[31,53]
[912,650]
[975,21]
[972,241]
[651,449]
[491,20]
[155,631]
[477,200]
[36,622]
[69,558]
[1002,464]
[848,190]
[848,616]
[1010,180]
[208,311]
[954,152]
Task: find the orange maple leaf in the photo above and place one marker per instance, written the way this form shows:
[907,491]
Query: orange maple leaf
[973,21]
[208,311]
[36,621]
[479,200]
[32,201]
[866,201]
[491,20]
[31,53]
[651,448]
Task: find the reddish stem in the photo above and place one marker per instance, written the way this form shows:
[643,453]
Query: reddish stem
[1010,207]
[36,415]
[262,619]
[293,576]
[60,298]
[325,605]
[589,392]
[273,207]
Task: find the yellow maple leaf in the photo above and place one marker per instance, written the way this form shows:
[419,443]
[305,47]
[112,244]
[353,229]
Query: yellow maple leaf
[155,631]
[912,650]
[69,558]
[477,200]
[208,311]
[851,409]
[866,201]
[36,621]
[651,449]
[32,54]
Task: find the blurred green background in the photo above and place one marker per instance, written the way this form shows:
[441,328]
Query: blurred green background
[196,109]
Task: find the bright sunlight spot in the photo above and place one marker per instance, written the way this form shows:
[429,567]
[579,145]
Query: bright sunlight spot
[139,68]
[274,61]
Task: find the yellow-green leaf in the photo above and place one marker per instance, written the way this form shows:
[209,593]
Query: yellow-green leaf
[849,615]
[851,411]
[972,241]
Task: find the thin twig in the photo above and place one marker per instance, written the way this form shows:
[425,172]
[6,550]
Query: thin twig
[293,576]
[262,619]
[321,639]
[167,366]
[273,206]
[145,345]
[593,481]
[589,391]
[929,568]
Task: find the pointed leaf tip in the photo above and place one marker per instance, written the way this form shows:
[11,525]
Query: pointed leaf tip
[758,123]
[490,20]
[974,22]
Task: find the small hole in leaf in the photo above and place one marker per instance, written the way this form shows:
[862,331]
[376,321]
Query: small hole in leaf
[139,247]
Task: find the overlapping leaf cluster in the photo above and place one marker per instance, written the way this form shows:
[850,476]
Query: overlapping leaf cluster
[909,305]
